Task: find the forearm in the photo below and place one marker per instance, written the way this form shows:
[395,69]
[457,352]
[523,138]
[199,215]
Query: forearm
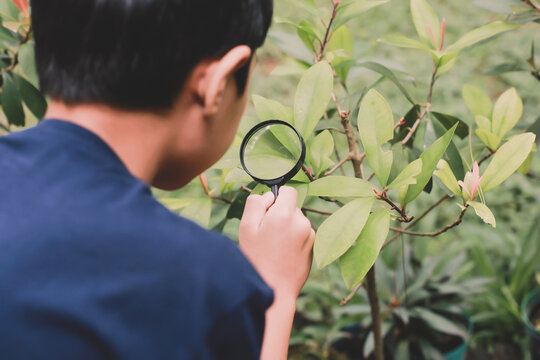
[279,320]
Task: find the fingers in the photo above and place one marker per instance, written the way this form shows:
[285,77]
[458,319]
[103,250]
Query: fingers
[287,199]
[255,209]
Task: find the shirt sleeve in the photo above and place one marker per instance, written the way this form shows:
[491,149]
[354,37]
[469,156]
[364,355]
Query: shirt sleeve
[239,333]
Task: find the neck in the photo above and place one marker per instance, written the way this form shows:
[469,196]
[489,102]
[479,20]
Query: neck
[126,133]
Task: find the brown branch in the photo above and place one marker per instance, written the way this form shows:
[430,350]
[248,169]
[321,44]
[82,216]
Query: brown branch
[487,156]
[426,108]
[436,233]
[317,211]
[327,32]
[339,164]
[428,210]
[375,313]
[308,172]
[394,206]
[246,189]
[533,176]
[353,292]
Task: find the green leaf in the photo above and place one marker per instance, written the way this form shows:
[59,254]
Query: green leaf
[31,96]
[477,101]
[174,204]
[408,175]
[307,34]
[341,186]
[268,109]
[312,96]
[438,322]
[526,166]
[481,33]
[483,212]
[338,233]
[448,121]
[199,210]
[27,62]
[423,18]
[504,68]
[302,190]
[341,44]
[430,158]
[445,174]
[506,112]
[491,140]
[320,151]
[452,155]
[445,61]
[348,11]
[376,127]
[357,261]
[403,41]
[11,101]
[483,122]
[507,160]
[384,71]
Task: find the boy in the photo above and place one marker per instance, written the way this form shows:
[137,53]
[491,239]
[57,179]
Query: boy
[143,92]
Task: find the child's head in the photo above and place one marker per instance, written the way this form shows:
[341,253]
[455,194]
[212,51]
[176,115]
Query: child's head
[187,61]
[136,54]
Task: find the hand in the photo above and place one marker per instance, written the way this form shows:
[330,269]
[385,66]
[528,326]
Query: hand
[278,239]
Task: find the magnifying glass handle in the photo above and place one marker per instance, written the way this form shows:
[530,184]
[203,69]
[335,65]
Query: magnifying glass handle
[275,191]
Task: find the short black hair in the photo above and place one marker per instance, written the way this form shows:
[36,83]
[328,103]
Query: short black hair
[137,54]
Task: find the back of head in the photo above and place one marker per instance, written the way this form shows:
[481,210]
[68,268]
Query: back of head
[137,54]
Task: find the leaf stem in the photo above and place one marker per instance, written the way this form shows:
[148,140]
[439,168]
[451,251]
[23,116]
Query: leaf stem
[426,108]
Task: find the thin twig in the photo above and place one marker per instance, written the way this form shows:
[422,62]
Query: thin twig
[317,211]
[428,210]
[436,233]
[426,109]
[339,164]
[353,292]
[394,206]
[533,176]
[487,156]
[246,189]
[308,172]
[327,33]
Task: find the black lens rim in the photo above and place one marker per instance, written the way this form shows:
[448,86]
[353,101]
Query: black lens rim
[279,181]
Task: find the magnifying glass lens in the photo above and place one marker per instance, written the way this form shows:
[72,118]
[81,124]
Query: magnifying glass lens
[272,151]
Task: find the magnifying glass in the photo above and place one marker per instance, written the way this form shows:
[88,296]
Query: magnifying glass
[272,152]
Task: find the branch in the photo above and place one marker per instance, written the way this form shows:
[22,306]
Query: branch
[382,196]
[436,233]
[308,172]
[327,33]
[317,211]
[375,313]
[339,164]
[487,156]
[428,210]
[533,176]
[426,108]
[353,292]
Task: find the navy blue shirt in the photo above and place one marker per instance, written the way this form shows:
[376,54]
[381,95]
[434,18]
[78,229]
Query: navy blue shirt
[93,267]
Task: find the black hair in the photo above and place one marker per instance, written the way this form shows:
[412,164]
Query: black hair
[137,54]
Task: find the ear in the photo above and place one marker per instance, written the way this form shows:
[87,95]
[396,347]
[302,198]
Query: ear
[212,84]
